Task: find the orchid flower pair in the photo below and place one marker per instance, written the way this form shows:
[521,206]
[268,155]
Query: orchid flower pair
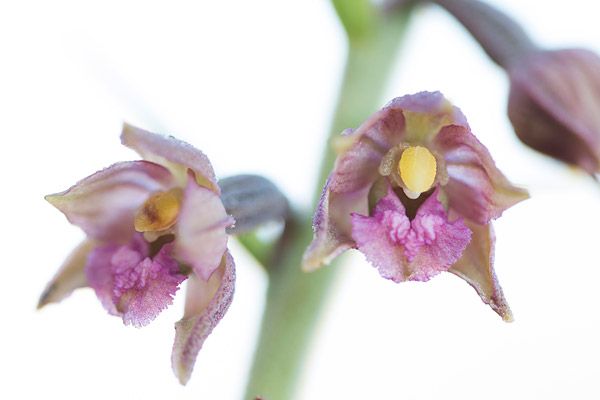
[412,189]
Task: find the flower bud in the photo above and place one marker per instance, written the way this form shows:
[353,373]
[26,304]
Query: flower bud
[553,105]
[554,95]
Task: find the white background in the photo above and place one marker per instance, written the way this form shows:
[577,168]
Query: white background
[253,84]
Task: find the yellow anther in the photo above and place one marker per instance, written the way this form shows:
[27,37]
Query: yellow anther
[417,168]
[159,212]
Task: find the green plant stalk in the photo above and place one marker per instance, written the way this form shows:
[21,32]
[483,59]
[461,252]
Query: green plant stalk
[294,298]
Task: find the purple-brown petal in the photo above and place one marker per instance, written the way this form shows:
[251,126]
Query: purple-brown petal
[476,267]
[201,229]
[553,105]
[425,113]
[104,204]
[206,304]
[477,189]
[176,155]
[331,225]
[358,166]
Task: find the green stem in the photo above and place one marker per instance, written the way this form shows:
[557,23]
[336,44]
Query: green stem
[294,298]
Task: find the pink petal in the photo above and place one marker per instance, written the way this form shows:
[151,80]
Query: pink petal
[99,275]
[201,237]
[104,262]
[413,250]
[373,239]
[104,204]
[476,267]
[332,228]
[206,304]
[70,276]
[358,166]
[477,189]
[448,244]
[141,292]
[172,153]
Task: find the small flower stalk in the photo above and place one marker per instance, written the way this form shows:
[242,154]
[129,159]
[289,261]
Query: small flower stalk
[415,192]
[554,94]
[153,224]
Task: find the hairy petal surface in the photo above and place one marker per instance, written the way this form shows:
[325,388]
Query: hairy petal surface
[70,276]
[376,237]
[477,189]
[174,154]
[104,204]
[142,291]
[201,229]
[104,262]
[476,267]
[413,250]
[206,304]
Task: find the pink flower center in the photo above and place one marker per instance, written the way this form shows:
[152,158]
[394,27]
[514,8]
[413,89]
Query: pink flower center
[412,235]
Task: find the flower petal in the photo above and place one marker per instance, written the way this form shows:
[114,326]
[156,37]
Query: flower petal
[142,292]
[331,225]
[373,239]
[104,204]
[70,276]
[445,241]
[413,250]
[103,262]
[174,154]
[425,114]
[476,267]
[206,304]
[358,166]
[477,189]
[99,276]
[201,236]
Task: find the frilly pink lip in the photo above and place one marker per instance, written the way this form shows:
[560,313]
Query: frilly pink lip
[405,250]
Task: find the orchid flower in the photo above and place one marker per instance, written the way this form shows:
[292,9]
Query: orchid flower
[415,191]
[150,225]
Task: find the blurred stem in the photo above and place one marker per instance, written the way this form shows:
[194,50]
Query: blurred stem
[260,250]
[294,298]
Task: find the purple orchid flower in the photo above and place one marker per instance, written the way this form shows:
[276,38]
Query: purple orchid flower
[415,192]
[150,225]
